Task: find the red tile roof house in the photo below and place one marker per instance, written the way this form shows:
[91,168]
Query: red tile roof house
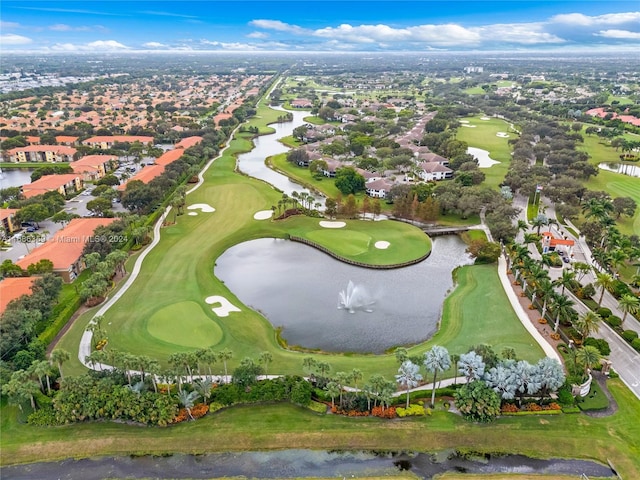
[8,221]
[301,103]
[93,167]
[107,141]
[65,184]
[12,288]
[66,140]
[64,249]
[42,153]
[552,244]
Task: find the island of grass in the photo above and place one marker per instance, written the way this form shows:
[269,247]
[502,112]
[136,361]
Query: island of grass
[375,244]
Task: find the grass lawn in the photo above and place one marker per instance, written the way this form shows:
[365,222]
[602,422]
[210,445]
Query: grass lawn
[357,239]
[280,426]
[617,185]
[484,136]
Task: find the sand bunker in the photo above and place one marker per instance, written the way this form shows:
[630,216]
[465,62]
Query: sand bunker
[224,308]
[192,214]
[484,160]
[468,126]
[502,135]
[382,245]
[326,224]
[463,121]
[485,118]
[263,214]
[203,207]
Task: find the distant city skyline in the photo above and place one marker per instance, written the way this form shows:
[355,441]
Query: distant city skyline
[318,26]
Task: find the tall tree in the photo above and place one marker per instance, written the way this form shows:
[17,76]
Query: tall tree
[471,366]
[59,356]
[408,376]
[629,304]
[605,282]
[436,360]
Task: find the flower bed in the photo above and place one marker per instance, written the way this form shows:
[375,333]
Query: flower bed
[197,411]
[531,408]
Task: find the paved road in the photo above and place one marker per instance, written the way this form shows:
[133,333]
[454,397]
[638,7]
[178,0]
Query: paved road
[626,361]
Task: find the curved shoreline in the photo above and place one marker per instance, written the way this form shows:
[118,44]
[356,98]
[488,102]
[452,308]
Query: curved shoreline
[355,263]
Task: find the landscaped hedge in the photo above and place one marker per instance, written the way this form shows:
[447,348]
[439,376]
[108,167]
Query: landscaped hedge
[541,412]
[60,316]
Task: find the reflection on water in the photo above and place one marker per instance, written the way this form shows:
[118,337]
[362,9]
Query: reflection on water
[297,464]
[297,287]
[623,168]
[15,177]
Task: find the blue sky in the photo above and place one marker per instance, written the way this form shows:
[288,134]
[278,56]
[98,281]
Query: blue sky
[302,26]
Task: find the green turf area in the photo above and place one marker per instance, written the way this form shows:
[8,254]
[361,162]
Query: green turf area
[303,176]
[270,427]
[616,184]
[474,91]
[484,136]
[184,324]
[356,241]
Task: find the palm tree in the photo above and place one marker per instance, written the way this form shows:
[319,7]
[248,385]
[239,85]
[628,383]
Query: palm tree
[566,280]
[265,358]
[341,379]
[41,368]
[401,354]
[617,259]
[455,358]
[587,324]
[605,282]
[333,390]
[59,356]
[208,357]
[563,308]
[355,376]
[436,360]
[629,304]
[204,387]
[471,365]
[224,356]
[409,376]
[546,290]
[588,356]
[539,222]
[187,400]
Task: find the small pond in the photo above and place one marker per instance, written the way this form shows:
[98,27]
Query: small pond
[296,464]
[15,177]
[298,287]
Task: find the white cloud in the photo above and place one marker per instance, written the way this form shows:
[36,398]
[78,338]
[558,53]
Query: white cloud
[98,45]
[61,27]
[13,39]
[258,35]
[621,34]
[579,19]
[277,25]
[522,33]
[236,46]
[167,14]
[154,45]
[9,25]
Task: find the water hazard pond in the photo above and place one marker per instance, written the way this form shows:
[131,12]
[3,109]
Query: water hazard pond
[295,464]
[297,287]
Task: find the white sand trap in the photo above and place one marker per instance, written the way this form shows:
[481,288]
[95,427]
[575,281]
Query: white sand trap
[484,160]
[502,135]
[463,121]
[485,118]
[468,126]
[326,224]
[203,207]
[263,214]
[225,307]
[193,214]
[382,245]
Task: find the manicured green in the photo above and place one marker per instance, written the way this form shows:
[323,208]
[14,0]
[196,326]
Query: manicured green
[615,438]
[356,241]
[184,324]
[616,184]
[24,164]
[595,400]
[484,136]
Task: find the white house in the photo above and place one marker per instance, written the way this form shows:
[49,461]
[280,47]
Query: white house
[431,171]
[378,188]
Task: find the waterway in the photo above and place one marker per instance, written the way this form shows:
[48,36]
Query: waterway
[297,287]
[253,163]
[296,464]
[15,177]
